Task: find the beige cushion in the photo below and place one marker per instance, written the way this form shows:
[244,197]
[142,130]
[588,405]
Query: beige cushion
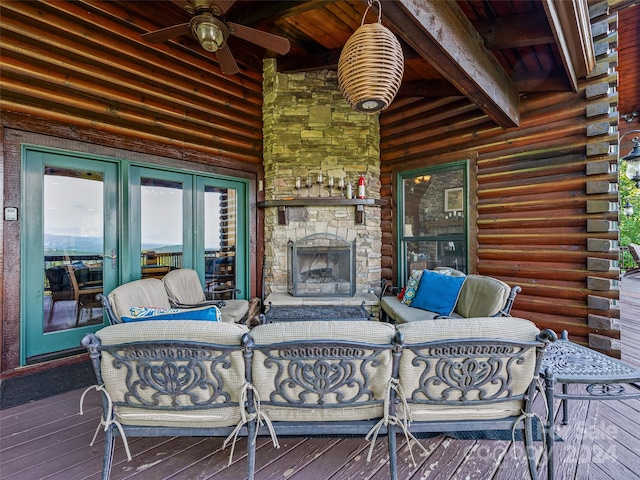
[183,286]
[461,328]
[148,292]
[234,310]
[481,296]
[402,313]
[265,375]
[232,378]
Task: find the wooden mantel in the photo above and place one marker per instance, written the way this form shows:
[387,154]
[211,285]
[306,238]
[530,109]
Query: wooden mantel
[283,203]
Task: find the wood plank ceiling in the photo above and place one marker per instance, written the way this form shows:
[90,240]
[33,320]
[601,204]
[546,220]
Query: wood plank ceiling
[490,51]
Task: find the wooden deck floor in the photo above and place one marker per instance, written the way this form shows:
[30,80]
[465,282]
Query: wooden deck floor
[48,439]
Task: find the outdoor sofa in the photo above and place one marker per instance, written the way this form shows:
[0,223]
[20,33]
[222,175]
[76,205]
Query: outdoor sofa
[447,293]
[368,378]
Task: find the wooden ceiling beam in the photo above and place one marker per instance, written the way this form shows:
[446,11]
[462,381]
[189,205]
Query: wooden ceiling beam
[571,27]
[532,28]
[427,89]
[270,12]
[441,34]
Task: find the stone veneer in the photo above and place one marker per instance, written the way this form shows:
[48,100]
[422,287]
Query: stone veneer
[310,128]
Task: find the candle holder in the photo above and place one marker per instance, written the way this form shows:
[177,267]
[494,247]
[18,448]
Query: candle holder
[309,185]
[298,186]
[330,185]
[320,182]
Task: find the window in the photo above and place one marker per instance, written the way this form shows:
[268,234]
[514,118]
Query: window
[433,218]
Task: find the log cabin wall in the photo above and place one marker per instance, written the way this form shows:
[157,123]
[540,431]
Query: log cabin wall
[75,77]
[543,196]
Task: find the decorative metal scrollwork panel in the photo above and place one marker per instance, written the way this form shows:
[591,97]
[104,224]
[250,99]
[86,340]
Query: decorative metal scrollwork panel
[461,374]
[165,377]
[310,376]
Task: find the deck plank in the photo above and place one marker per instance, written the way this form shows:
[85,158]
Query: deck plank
[47,439]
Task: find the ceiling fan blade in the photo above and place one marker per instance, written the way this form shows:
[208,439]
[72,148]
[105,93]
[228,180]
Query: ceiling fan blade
[223,5]
[164,34]
[227,62]
[269,41]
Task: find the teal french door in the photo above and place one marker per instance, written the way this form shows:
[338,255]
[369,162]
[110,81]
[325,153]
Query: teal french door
[69,249]
[91,224]
[187,220]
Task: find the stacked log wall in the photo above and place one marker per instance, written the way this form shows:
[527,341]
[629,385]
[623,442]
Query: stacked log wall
[543,200]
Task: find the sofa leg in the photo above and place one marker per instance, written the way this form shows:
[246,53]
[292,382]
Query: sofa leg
[393,462]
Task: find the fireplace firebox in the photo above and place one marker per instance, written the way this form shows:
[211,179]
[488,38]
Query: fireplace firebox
[321,265]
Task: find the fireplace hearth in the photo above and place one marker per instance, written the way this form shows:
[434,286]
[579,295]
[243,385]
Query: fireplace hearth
[321,265]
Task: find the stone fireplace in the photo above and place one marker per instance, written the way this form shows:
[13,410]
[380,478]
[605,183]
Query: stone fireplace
[310,129]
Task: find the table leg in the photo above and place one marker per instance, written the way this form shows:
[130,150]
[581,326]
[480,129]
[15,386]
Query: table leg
[565,405]
[550,433]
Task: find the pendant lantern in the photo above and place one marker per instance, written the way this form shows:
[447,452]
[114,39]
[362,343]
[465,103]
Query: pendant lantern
[371,65]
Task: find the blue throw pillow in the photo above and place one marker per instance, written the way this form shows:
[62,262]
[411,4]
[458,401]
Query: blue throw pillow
[211,314]
[437,293]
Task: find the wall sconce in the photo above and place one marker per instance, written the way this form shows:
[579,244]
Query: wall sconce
[627,208]
[629,116]
[371,66]
[632,159]
[210,32]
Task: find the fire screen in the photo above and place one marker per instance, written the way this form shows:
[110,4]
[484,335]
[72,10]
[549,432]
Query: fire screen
[321,265]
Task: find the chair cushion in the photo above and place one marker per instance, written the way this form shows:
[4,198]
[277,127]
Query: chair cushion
[183,286]
[437,292]
[148,292]
[234,310]
[482,296]
[211,314]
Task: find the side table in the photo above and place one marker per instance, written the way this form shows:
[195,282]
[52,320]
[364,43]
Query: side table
[599,376]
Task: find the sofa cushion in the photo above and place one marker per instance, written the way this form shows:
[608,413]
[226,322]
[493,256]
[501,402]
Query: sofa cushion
[210,314]
[482,296]
[401,313]
[344,388]
[412,372]
[437,292]
[156,409]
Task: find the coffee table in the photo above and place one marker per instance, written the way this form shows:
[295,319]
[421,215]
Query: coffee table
[599,377]
[297,313]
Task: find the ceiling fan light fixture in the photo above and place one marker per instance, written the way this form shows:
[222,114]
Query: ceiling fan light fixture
[208,32]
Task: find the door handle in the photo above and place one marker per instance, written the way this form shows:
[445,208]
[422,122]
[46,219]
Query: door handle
[113,257]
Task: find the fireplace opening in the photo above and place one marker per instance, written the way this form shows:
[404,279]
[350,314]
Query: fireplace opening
[320,265]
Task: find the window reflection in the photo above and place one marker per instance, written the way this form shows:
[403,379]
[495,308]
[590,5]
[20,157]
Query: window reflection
[161,226]
[73,224]
[434,218]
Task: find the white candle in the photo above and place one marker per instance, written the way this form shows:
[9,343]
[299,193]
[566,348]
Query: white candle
[297,182]
[341,182]
[320,177]
[331,181]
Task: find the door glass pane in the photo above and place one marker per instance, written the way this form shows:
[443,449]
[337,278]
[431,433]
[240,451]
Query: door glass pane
[73,224]
[220,221]
[433,230]
[161,226]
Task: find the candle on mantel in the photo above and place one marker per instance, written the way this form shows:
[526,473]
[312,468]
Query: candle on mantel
[320,177]
[331,181]
[341,183]
[298,182]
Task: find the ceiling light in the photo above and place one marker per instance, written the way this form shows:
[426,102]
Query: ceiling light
[210,32]
[371,66]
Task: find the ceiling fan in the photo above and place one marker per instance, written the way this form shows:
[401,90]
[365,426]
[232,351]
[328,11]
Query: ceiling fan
[212,32]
